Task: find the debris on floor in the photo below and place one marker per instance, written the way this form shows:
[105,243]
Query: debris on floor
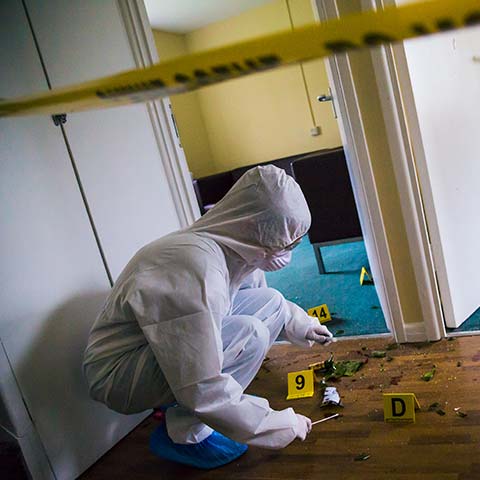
[362,457]
[459,413]
[435,407]
[331,398]
[378,354]
[395,380]
[329,369]
[427,376]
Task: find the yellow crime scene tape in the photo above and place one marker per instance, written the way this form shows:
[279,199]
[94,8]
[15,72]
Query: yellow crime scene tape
[197,70]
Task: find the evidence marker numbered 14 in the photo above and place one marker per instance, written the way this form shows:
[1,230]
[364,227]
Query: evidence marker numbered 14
[321,312]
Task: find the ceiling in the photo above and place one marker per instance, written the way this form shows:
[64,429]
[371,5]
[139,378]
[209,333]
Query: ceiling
[182,16]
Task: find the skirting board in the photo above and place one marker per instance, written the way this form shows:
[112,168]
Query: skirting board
[415,332]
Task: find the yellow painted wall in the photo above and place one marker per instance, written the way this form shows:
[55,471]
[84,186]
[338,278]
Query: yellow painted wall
[188,114]
[382,165]
[265,116]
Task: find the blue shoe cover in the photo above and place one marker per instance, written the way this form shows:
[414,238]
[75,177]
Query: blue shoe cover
[216,450]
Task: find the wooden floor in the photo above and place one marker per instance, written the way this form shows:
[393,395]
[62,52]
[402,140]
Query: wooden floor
[434,448]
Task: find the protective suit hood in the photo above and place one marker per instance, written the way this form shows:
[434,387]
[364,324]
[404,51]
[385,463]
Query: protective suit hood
[264,212]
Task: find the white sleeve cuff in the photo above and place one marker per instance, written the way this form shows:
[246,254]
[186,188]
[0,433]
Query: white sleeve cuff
[297,326]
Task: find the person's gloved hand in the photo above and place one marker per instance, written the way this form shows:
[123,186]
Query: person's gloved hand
[319,334]
[304,427]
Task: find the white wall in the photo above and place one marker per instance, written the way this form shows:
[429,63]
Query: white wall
[53,281]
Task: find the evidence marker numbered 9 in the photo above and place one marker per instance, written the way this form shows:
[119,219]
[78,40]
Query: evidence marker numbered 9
[300,384]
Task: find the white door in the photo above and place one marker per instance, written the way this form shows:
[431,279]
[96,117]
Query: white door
[444,72]
[115,150]
[52,281]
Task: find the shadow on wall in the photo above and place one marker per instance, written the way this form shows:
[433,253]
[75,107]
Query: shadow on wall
[75,429]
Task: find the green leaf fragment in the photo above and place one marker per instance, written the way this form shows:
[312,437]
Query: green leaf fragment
[460,414]
[426,377]
[339,332]
[344,368]
[392,346]
[378,354]
[350,367]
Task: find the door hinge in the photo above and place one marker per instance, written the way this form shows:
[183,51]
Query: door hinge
[174,122]
[59,119]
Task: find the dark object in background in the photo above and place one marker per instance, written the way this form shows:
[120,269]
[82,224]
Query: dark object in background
[12,465]
[324,179]
[209,190]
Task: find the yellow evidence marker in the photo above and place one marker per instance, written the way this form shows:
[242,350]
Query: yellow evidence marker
[300,384]
[400,407]
[321,312]
[365,275]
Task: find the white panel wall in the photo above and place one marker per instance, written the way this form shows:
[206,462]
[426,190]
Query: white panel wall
[115,150]
[52,279]
[446,87]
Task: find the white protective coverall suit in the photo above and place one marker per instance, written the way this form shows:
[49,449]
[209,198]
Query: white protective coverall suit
[190,318]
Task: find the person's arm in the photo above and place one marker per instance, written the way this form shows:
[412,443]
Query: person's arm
[188,348]
[303,330]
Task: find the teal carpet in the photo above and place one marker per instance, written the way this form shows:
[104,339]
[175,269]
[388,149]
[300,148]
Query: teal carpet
[472,324]
[355,309]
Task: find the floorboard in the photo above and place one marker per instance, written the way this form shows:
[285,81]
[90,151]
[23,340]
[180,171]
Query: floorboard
[436,447]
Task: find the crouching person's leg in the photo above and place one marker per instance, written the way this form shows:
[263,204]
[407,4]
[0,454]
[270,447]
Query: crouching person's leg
[136,383]
[245,342]
[131,383]
[259,317]
[265,304]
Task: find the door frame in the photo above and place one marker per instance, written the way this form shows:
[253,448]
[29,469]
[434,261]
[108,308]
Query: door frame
[359,162]
[172,156]
[353,138]
[405,141]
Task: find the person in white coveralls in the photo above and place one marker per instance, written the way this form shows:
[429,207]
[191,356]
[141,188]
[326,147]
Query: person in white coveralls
[190,320]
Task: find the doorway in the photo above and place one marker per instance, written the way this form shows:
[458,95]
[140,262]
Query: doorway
[274,117]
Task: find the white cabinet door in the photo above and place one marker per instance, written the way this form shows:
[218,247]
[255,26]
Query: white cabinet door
[52,280]
[445,81]
[115,150]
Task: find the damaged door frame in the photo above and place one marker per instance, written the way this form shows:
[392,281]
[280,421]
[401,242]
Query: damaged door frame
[363,181]
[405,142]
